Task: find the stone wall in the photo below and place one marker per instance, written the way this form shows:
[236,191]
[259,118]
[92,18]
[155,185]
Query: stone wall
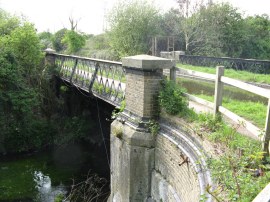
[173,179]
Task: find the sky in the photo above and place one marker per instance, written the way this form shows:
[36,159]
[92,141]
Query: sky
[52,15]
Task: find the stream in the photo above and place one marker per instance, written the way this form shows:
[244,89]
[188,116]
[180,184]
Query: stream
[44,175]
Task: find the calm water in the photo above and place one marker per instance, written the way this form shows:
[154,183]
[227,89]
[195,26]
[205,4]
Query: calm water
[201,87]
[42,176]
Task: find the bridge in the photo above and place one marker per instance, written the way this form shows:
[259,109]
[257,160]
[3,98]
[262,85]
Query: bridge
[169,166]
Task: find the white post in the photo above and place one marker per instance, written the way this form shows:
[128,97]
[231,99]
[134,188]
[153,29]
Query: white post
[266,138]
[218,89]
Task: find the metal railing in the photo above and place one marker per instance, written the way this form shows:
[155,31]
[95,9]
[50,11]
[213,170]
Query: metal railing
[251,65]
[105,79]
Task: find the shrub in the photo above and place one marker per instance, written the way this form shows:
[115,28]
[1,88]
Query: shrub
[171,98]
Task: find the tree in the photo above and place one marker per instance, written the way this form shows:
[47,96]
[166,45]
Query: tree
[46,39]
[74,41]
[189,23]
[7,22]
[22,128]
[257,43]
[57,38]
[223,31]
[132,24]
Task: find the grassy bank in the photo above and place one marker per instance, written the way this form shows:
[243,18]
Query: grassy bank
[254,112]
[240,75]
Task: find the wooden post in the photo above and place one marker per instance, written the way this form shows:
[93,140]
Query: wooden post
[155,46]
[266,137]
[218,89]
[173,74]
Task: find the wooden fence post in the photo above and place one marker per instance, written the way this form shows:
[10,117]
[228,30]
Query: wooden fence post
[173,74]
[218,89]
[266,137]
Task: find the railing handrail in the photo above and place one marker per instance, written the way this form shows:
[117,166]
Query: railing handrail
[103,78]
[91,59]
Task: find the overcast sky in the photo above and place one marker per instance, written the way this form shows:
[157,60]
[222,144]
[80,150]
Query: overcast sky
[53,15]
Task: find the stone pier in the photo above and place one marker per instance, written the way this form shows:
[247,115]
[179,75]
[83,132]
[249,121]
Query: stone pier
[132,145]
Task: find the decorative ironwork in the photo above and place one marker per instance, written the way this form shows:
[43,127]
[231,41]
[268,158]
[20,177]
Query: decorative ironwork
[105,79]
[251,65]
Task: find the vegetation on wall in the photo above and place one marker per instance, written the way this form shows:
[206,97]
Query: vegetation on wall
[171,98]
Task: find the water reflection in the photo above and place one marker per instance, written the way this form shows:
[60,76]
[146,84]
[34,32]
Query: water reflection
[46,192]
[42,176]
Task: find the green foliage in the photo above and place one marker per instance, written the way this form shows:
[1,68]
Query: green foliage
[46,39]
[117,111]
[8,23]
[98,47]
[132,23]
[212,123]
[171,98]
[240,170]
[153,126]
[74,41]
[257,43]
[57,38]
[59,198]
[254,112]
[23,128]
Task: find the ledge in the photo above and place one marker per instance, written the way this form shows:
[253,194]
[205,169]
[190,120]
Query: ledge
[147,62]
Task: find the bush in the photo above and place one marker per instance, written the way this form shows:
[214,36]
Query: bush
[171,98]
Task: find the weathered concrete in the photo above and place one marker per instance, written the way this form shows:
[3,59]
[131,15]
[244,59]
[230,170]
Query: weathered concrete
[132,145]
[132,160]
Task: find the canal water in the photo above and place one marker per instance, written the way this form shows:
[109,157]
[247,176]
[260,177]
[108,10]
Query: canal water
[208,88]
[44,175]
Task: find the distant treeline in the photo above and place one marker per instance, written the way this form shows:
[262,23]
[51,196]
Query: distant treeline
[218,30]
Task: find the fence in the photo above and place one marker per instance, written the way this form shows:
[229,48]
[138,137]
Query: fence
[217,107]
[101,77]
[251,65]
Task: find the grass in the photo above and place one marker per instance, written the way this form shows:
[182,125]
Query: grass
[240,75]
[236,169]
[255,112]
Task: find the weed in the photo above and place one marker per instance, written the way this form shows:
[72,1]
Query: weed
[212,123]
[171,98]
[153,126]
[116,112]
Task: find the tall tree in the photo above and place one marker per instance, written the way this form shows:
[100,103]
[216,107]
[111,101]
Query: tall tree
[20,56]
[257,43]
[189,23]
[132,24]
[57,38]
